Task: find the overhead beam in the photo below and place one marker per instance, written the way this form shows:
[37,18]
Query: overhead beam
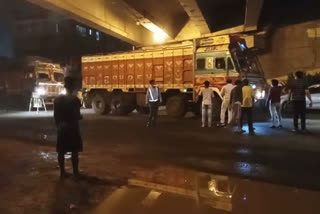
[169,15]
[253,11]
[110,17]
[196,17]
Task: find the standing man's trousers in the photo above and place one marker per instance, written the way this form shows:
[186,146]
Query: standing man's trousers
[225,106]
[247,111]
[275,112]
[206,115]
[299,110]
[236,116]
[153,114]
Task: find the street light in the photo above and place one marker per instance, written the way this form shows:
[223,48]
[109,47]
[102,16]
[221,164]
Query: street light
[159,35]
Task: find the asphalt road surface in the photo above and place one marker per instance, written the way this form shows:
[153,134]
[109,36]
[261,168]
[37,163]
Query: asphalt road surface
[177,167]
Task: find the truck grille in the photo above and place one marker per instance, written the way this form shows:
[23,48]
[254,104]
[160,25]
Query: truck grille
[53,90]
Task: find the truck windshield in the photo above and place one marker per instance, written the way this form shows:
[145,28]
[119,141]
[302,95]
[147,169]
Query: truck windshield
[246,62]
[43,76]
[212,62]
[58,77]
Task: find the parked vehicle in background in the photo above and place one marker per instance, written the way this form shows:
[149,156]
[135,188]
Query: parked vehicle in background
[315,96]
[117,82]
[21,80]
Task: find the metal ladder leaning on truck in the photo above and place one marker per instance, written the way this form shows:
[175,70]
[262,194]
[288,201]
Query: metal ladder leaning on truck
[117,82]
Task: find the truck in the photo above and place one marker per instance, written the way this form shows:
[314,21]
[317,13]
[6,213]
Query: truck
[21,80]
[117,82]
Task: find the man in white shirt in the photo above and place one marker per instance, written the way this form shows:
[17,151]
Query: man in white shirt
[225,106]
[207,95]
[153,99]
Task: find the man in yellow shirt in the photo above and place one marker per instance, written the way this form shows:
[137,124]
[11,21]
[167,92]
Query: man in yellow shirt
[247,104]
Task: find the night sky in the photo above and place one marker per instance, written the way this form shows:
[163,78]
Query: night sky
[276,12]
[283,12]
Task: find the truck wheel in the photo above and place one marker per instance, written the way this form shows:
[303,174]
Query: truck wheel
[100,104]
[176,106]
[142,110]
[130,102]
[122,104]
[87,102]
[196,108]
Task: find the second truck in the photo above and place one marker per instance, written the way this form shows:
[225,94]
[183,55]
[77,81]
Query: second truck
[117,82]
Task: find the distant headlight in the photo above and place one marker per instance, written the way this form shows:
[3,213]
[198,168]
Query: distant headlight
[260,94]
[63,91]
[40,91]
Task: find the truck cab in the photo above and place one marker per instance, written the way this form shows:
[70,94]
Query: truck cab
[222,57]
[48,80]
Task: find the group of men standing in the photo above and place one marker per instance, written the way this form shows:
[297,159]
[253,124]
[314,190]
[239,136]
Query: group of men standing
[237,102]
[298,91]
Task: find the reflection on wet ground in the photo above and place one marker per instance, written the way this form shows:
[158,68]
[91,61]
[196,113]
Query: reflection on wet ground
[174,190]
[49,156]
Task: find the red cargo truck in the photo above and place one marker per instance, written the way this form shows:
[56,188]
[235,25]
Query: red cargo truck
[117,82]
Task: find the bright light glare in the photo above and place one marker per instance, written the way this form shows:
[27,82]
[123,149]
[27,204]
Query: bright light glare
[158,34]
[63,91]
[40,91]
[159,37]
[260,94]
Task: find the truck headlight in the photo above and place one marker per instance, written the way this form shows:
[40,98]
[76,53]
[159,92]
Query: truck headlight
[40,91]
[260,94]
[253,86]
[63,91]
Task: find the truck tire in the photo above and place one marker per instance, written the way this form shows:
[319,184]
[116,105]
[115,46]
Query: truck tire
[142,110]
[196,108]
[176,106]
[122,104]
[87,102]
[100,104]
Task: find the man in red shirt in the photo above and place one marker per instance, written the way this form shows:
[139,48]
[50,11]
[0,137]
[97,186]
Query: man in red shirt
[273,101]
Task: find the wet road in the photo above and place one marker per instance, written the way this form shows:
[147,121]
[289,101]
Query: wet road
[120,151]
[176,190]
[273,155]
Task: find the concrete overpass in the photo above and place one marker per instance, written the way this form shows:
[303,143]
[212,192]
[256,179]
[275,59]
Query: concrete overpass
[145,22]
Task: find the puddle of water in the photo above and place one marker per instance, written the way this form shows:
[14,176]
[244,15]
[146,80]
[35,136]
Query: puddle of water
[52,156]
[48,156]
[218,193]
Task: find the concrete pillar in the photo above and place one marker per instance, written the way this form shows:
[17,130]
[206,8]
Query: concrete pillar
[293,47]
[253,10]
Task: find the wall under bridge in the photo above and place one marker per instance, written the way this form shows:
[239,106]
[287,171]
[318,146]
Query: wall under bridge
[291,48]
